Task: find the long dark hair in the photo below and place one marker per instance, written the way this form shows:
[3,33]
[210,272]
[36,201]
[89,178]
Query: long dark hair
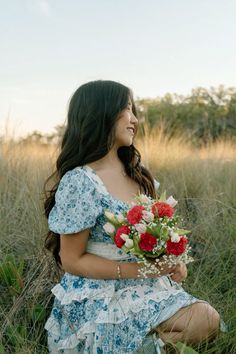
[89,135]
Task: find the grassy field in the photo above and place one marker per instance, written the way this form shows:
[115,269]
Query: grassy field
[201,179]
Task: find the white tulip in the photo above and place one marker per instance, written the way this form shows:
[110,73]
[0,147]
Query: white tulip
[124,237]
[120,217]
[109,228]
[144,198]
[141,228]
[129,243]
[147,215]
[171,201]
[110,215]
[174,236]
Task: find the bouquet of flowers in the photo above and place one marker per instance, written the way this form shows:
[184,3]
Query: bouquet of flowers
[149,231]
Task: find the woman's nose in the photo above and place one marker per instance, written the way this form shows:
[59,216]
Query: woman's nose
[134,119]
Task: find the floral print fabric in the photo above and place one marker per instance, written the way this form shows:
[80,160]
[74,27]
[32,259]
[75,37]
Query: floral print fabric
[102,316]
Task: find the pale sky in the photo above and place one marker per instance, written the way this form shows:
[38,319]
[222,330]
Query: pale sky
[50,47]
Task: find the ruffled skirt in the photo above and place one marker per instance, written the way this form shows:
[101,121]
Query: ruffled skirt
[110,316]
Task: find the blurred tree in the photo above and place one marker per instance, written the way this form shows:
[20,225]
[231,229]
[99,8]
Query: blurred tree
[203,116]
[45,139]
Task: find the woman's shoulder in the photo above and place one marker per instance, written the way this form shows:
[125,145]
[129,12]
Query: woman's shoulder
[76,176]
[77,203]
[76,172]
[76,182]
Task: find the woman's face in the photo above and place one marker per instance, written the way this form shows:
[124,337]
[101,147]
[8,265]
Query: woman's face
[126,126]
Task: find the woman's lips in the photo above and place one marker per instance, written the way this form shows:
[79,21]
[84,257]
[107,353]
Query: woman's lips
[131,130]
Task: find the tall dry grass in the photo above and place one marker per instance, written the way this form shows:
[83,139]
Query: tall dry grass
[203,181]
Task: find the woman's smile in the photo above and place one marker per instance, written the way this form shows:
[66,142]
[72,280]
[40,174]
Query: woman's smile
[131,130]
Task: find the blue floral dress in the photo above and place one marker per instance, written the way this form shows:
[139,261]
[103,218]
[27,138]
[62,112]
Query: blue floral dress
[102,316]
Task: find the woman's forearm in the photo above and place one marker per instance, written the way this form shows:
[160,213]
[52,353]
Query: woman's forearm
[96,267]
[92,266]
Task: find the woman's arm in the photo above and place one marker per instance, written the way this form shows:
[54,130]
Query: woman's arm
[77,261]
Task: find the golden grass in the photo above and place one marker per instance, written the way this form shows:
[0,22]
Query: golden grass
[202,179]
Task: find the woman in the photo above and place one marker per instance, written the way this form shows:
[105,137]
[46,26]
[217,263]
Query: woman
[101,306]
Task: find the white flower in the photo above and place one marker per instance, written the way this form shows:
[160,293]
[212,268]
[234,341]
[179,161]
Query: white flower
[147,215]
[174,236]
[120,217]
[124,237]
[144,198]
[171,201]
[110,216]
[129,243]
[109,228]
[141,228]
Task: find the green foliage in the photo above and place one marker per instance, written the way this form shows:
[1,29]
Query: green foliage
[16,335]
[2,350]
[184,349]
[203,116]
[11,274]
[37,313]
[17,327]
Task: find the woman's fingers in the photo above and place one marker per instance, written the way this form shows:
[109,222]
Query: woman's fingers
[179,274]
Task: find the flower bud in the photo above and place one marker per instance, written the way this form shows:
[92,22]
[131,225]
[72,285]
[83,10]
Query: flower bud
[120,217]
[141,228]
[171,201]
[144,198]
[110,216]
[124,237]
[109,228]
[174,236]
[129,243]
[147,215]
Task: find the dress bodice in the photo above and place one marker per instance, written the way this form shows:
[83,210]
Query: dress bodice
[80,202]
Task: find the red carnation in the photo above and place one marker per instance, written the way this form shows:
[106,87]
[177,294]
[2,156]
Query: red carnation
[134,215]
[177,248]
[121,230]
[147,242]
[162,209]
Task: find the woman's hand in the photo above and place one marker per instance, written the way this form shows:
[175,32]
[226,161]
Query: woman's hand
[164,268]
[179,272]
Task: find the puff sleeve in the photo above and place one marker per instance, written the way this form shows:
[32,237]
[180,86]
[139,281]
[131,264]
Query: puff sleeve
[77,203]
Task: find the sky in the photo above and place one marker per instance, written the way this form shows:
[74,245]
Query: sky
[50,47]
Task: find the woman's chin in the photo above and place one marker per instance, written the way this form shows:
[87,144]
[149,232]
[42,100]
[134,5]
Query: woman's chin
[127,143]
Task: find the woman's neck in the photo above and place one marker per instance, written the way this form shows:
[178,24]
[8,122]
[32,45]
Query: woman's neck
[109,161]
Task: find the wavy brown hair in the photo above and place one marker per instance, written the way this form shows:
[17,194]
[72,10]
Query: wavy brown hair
[89,135]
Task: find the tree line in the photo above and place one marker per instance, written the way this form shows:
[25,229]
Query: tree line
[204,115]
